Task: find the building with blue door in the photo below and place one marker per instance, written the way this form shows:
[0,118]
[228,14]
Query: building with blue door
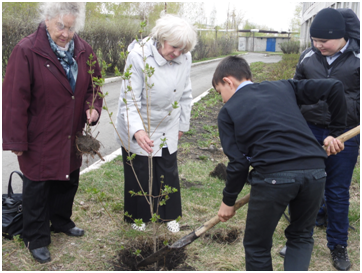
[270,44]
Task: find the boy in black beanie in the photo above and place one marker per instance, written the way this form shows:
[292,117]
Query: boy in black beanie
[335,54]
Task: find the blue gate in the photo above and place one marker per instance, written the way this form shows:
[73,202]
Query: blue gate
[270,44]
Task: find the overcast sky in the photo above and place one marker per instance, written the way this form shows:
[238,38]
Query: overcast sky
[275,14]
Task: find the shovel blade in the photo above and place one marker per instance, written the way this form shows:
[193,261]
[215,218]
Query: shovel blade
[184,241]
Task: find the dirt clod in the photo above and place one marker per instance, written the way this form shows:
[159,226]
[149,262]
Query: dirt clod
[219,171]
[87,145]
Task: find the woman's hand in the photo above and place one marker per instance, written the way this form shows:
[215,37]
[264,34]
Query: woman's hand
[180,134]
[18,153]
[333,145]
[144,141]
[92,116]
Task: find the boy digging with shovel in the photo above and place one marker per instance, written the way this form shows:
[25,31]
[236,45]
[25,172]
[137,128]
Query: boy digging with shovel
[261,126]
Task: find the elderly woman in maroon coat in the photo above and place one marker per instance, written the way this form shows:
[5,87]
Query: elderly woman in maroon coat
[46,96]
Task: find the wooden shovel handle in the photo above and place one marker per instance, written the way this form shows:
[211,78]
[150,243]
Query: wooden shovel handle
[347,135]
[215,220]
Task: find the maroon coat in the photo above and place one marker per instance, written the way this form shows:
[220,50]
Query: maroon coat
[41,115]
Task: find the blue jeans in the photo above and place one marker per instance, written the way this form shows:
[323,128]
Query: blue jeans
[339,169]
[269,196]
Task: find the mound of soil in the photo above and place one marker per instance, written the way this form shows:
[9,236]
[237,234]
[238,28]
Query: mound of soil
[219,171]
[128,260]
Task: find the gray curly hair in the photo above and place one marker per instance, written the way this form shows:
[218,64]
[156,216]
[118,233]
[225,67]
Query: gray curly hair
[50,10]
[176,31]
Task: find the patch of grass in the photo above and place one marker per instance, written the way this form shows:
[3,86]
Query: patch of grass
[282,70]
[190,132]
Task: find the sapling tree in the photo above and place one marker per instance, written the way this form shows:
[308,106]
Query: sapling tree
[154,201]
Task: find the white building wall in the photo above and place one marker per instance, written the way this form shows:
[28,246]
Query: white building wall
[309,11]
[259,43]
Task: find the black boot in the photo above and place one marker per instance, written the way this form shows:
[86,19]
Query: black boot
[340,258]
[41,254]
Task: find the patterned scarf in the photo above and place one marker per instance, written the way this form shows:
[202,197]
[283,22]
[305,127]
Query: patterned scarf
[66,60]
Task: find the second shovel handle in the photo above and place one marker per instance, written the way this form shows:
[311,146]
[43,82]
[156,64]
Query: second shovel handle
[347,135]
[215,220]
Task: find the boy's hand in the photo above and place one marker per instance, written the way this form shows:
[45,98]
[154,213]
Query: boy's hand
[225,212]
[333,145]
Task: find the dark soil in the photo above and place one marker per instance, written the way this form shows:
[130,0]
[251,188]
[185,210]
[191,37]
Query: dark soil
[222,237]
[128,260]
[187,184]
[219,171]
[87,145]
[203,136]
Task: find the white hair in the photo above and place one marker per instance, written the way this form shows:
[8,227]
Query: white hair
[176,31]
[50,10]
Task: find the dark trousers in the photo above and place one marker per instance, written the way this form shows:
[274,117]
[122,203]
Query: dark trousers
[270,195]
[339,170]
[44,202]
[137,206]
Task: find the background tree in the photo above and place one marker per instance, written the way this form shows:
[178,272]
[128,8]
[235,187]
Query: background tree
[297,20]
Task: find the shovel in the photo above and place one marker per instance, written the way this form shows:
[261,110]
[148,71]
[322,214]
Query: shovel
[188,239]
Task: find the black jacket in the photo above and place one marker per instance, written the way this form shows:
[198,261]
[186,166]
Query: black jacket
[346,68]
[261,125]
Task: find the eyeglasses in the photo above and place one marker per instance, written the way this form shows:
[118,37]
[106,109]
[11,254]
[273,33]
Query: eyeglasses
[61,27]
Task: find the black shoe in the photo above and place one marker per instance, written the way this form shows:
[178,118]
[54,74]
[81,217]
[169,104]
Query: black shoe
[282,252]
[340,258]
[75,231]
[41,254]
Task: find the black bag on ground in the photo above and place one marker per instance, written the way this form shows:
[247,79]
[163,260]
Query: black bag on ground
[12,211]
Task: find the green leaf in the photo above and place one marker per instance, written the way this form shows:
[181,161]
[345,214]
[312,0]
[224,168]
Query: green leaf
[138,222]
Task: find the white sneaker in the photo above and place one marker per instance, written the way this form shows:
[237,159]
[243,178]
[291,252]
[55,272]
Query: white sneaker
[140,228]
[173,226]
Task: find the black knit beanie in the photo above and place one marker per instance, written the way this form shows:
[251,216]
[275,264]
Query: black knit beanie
[328,24]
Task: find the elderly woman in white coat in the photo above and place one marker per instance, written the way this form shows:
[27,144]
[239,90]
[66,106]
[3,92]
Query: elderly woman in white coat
[167,50]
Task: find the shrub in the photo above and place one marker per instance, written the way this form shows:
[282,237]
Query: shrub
[208,47]
[108,37]
[290,47]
